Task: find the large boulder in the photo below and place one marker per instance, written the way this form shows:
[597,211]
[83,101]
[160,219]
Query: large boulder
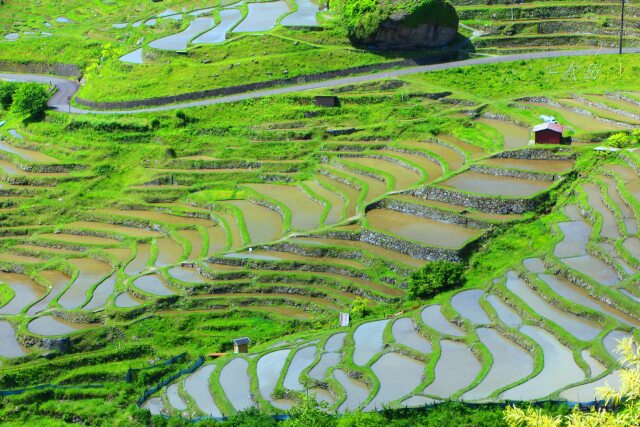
[396,24]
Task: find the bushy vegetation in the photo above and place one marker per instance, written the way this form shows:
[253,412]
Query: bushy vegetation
[624,140]
[362,18]
[435,277]
[30,100]
[7,90]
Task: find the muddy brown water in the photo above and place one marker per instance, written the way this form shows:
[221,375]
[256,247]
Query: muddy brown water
[127,300]
[629,176]
[195,240]
[20,259]
[335,200]
[217,240]
[434,169]
[268,370]
[422,230]
[375,250]
[121,255]
[376,187]
[101,293]
[404,177]
[550,378]
[547,166]
[235,383]
[514,136]
[405,332]
[510,364]
[356,391]
[233,229]
[119,229]
[26,292]
[302,359]
[11,169]
[90,272]
[473,150]
[197,386]
[264,225]
[52,326]
[456,368]
[9,346]
[36,248]
[609,227]
[492,185]
[139,263]
[399,375]
[505,313]
[628,216]
[350,194]
[432,316]
[27,155]
[305,212]
[576,326]
[594,268]
[169,252]
[575,238]
[153,284]
[58,282]
[368,341]
[454,159]
[467,303]
[580,296]
[600,112]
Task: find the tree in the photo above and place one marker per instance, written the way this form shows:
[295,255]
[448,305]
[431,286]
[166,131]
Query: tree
[628,396]
[30,100]
[435,277]
[359,308]
[362,419]
[7,90]
[310,413]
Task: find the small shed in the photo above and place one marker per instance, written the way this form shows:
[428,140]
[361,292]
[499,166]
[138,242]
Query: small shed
[241,345]
[548,133]
[327,101]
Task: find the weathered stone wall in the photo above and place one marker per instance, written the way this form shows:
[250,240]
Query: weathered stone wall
[408,248]
[34,67]
[514,173]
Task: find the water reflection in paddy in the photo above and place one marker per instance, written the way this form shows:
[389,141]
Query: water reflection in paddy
[455,357]
[399,375]
[234,380]
[510,364]
[368,341]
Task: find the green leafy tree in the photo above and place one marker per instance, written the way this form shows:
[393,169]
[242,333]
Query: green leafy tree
[251,417]
[359,308]
[435,277]
[7,90]
[30,100]
[310,413]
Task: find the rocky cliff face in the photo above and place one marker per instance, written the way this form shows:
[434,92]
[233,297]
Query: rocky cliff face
[395,34]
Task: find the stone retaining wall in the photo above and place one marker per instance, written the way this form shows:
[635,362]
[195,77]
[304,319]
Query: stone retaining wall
[35,67]
[537,154]
[487,204]
[514,173]
[428,212]
[408,248]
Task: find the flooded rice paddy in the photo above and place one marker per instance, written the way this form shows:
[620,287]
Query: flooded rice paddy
[234,380]
[455,357]
[432,317]
[492,185]
[368,341]
[422,230]
[262,16]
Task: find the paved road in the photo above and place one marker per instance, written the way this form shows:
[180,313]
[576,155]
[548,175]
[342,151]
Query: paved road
[67,88]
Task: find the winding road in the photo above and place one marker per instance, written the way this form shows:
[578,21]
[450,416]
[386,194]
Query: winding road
[68,88]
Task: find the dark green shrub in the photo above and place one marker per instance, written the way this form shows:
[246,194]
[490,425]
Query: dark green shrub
[7,90]
[435,277]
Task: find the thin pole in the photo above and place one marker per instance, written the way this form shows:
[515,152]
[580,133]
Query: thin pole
[621,26]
